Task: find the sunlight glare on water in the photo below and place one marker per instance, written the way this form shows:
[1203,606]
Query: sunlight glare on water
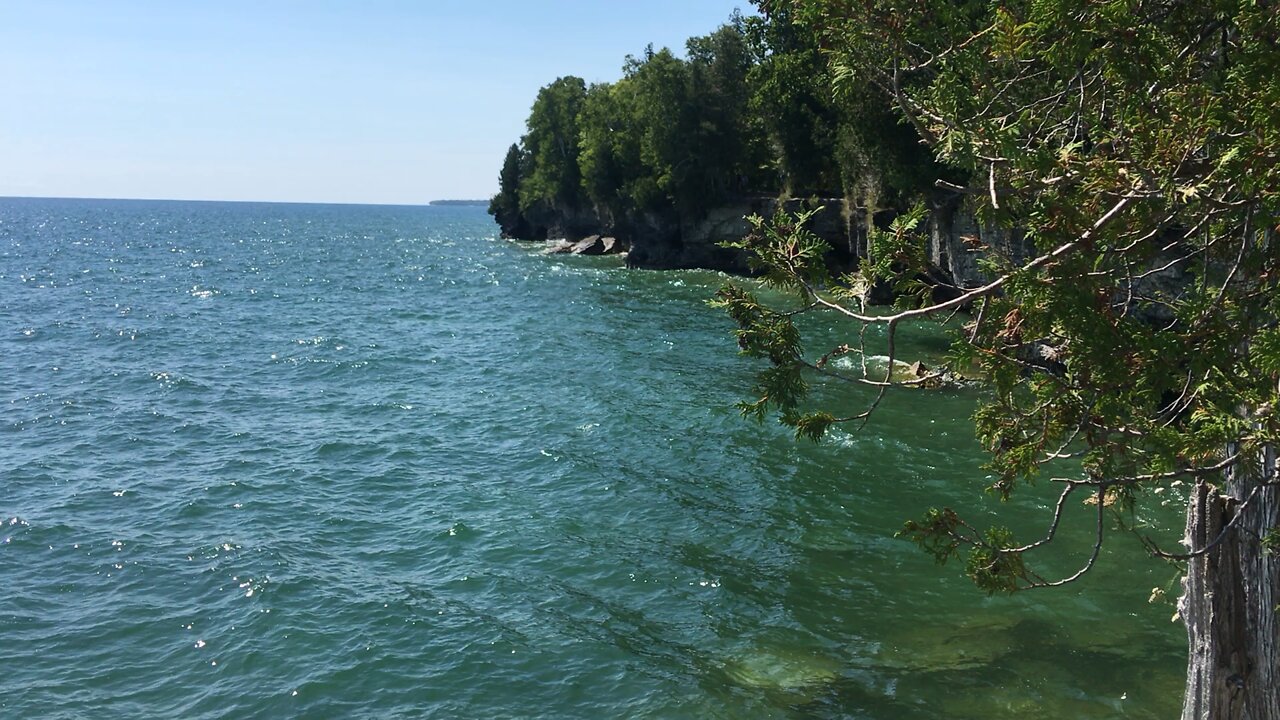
[342,461]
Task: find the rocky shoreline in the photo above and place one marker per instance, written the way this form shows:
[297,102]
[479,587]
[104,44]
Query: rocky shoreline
[661,241]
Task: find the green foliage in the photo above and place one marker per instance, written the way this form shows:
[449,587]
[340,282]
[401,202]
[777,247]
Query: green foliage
[614,176]
[991,566]
[938,533]
[794,101]
[993,562]
[1133,146]
[1271,541]
[727,144]
[1264,351]
[763,332]
[752,109]
[664,118]
[813,426]
[785,251]
[1130,145]
[553,177]
[505,206]
[766,333]
[897,256]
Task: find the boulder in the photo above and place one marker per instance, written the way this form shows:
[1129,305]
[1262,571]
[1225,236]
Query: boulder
[590,245]
[595,245]
[555,247]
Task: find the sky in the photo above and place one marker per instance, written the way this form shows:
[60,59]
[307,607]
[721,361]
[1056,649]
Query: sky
[376,101]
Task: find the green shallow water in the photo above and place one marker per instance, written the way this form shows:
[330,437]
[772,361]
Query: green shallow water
[327,461]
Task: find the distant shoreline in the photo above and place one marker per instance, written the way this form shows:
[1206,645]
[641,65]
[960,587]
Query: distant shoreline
[53,198]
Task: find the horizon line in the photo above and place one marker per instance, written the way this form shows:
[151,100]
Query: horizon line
[426,203]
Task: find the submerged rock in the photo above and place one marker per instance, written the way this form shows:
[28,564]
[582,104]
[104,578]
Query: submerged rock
[779,669]
[912,374]
[966,646]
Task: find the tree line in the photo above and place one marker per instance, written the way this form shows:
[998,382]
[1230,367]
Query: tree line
[747,112]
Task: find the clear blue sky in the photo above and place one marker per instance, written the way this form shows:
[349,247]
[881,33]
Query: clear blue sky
[370,101]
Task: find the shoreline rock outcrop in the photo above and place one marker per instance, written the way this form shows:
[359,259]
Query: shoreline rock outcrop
[590,245]
[664,241]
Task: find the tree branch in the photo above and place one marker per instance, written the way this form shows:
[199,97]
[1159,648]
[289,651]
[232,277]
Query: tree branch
[1093,557]
[979,292]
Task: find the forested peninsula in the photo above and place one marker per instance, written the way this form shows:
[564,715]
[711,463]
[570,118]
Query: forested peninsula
[670,159]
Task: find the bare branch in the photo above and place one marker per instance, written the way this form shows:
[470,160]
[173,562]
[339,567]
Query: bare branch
[991,183]
[979,292]
[1093,558]
[1153,477]
[1053,526]
[954,48]
[907,107]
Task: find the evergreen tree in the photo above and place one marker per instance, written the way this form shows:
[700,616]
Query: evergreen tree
[748,112]
[1134,143]
[505,206]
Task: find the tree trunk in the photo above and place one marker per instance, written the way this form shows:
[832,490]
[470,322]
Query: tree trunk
[1230,597]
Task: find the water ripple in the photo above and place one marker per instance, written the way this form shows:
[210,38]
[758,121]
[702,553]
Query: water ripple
[324,461]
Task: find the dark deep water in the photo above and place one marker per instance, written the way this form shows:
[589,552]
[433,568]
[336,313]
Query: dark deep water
[344,461]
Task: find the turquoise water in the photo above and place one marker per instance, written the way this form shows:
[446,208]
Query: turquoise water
[331,461]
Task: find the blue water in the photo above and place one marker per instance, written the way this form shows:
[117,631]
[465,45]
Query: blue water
[338,461]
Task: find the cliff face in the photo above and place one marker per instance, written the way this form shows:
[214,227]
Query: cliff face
[957,241]
[549,222]
[662,240]
[665,243]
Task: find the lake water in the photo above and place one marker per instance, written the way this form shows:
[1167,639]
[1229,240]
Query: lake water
[267,460]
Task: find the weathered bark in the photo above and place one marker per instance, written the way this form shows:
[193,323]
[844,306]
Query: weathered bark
[1230,597]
